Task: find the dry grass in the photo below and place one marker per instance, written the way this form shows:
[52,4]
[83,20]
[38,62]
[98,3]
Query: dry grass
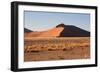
[40,49]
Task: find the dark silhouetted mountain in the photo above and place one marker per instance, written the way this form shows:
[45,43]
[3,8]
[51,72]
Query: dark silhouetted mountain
[72,31]
[27,30]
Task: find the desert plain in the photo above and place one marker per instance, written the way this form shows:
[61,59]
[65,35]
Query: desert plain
[61,48]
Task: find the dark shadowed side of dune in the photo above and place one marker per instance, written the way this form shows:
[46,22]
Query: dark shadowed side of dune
[73,31]
[27,30]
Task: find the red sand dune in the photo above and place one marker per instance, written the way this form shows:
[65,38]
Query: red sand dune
[60,30]
[50,33]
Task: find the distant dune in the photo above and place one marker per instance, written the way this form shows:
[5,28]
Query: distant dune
[27,30]
[60,30]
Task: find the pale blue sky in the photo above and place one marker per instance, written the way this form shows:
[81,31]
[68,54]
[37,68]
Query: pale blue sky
[41,21]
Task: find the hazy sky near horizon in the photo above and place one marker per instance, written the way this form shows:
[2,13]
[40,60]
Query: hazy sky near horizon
[41,21]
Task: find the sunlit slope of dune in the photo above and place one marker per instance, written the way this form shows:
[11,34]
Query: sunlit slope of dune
[49,33]
[55,32]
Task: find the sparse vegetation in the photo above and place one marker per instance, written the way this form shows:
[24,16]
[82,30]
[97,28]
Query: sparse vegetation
[38,49]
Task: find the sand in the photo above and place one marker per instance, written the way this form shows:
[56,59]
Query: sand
[47,49]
